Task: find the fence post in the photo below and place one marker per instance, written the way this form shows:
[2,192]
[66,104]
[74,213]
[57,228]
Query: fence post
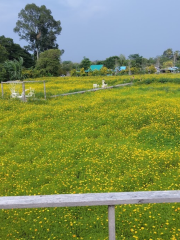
[2,89]
[111,222]
[44,90]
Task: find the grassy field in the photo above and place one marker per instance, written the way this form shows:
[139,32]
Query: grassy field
[114,140]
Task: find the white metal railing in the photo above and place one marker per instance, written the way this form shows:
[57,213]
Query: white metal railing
[91,199]
[23,87]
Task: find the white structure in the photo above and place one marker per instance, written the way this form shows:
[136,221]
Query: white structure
[104,84]
[95,85]
[30,93]
[92,199]
[15,86]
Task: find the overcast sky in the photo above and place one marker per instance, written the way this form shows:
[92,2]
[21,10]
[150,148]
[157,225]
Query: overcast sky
[98,29]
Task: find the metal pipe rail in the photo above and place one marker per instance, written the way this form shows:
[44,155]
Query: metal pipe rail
[91,199]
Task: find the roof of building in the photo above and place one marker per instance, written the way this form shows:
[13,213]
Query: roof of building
[173,68]
[120,68]
[95,67]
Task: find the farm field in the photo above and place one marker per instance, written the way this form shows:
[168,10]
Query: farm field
[60,85]
[112,140]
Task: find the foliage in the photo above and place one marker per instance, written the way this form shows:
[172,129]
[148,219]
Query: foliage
[134,70]
[3,73]
[95,72]
[67,66]
[151,69]
[15,51]
[73,72]
[14,69]
[135,60]
[103,71]
[122,60]
[49,61]
[168,64]
[85,63]
[3,54]
[37,26]
[34,73]
[111,62]
[168,53]
[71,145]
[82,72]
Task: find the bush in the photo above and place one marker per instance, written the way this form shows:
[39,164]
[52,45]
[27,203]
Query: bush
[3,74]
[34,73]
[49,61]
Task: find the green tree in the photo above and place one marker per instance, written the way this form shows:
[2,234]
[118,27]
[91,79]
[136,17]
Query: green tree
[104,71]
[85,63]
[37,26]
[82,72]
[14,69]
[134,70]
[73,72]
[66,67]
[122,60]
[99,62]
[95,72]
[136,60]
[150,69]
[111,62]
[49,61]
[15,51]
[168,53]
[3,73]
[3,54]
[168,64]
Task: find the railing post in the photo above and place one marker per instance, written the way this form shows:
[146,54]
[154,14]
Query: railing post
[23,92]
[111,221]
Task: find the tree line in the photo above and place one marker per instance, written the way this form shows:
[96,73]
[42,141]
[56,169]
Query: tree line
[134,64]
[42,56]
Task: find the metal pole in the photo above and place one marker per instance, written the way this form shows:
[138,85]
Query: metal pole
[44,90]
[2,90]
[111,221]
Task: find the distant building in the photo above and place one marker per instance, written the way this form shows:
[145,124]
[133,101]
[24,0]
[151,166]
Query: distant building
[169,69]
[118,69]
[95,67]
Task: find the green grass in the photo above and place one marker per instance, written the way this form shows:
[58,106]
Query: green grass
[115,140]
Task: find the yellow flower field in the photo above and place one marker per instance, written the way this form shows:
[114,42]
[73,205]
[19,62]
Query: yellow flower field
[112,140]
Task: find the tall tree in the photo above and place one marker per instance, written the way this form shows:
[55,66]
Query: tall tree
[37,26]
